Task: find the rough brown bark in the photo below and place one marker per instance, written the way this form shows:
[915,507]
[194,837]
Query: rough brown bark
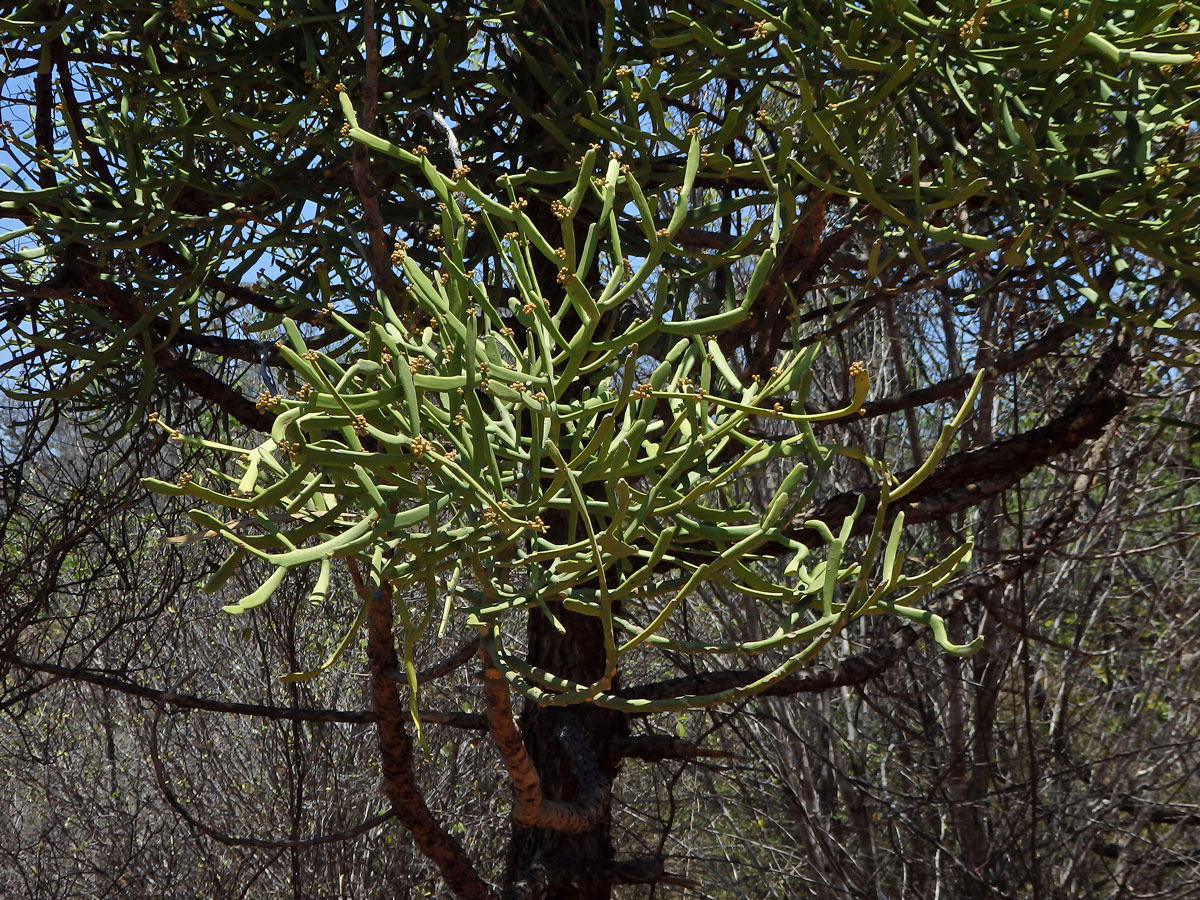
[545,863]
[533,809]
[395,750]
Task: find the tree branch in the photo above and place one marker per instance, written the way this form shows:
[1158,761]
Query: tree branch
[657,747]
[957,387]
[445,666]
[852,670]
[377,251]
[1161,813]
[395,748]
[647,870]
[968,478]
[466,721]
[855,670]
[127,310]
[533,810]
[221,837]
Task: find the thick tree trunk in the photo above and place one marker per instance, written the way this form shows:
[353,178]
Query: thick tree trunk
[555,865]
[543,863]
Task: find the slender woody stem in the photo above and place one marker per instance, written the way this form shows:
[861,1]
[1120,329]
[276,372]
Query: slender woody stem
[395,747]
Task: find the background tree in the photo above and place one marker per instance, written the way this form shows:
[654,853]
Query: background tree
[546,307]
